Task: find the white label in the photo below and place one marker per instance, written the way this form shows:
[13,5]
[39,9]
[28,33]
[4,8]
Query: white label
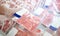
[33,2]
[38,11]
[12,32]
[47,34]
[14,18]
[56,22]
[21,12]
[1,34]
[48,2]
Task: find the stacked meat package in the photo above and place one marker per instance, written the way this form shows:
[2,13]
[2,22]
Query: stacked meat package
[29,17]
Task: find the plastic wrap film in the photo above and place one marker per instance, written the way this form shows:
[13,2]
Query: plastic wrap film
[29,18]
[9,7]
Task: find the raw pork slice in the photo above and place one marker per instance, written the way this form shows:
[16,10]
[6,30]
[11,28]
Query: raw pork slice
[29,21]
[8,7]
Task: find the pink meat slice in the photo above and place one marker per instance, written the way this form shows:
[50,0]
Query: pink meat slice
[30,23]
[27,33]
[57,2]
[7,25]
[47,20]
[58,6]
